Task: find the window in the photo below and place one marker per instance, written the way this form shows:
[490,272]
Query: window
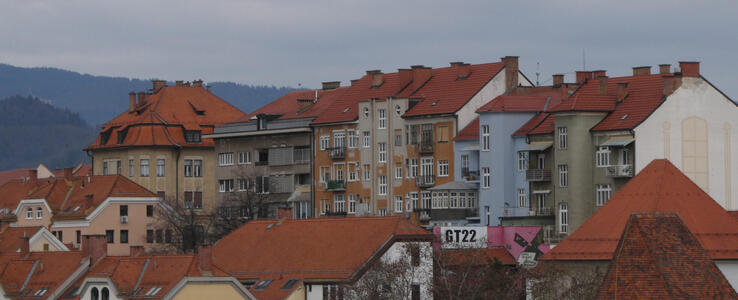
[325,142]
[29,213]
[124,236]
[563,176]
[39,213]
[290,283]
[604,191]
[225,185]
[425,198]
[485,137]
[398,110]
[454,200]
[160,163]
[325,206]
[339,171]
[522,160]
[367,173]
[382,212]
[443,135]
[625,156]
[398,204]
[95,294]
[602,157]
[367,139]
[382,152]
[563,142]
[382,184]
[197,168]
[79,236]
[123,210]
[193,136]
[412,167]
[262,184]
[105,294]
[382,119]
[415,292]
[105,168]
[149,236]
[244,158]
[465,163]
[366,112]
[144,167]
[563,217]
[412,201]
[541,161]
[398,137]
[243,184]
[188,168]
[188,199]
[443,168]
[485,178]
[225,159]
[426,166]
[159,237]
[131,168]
[325,174]
[339,139]
[302,155]
[541,199]
[108,164]
[412,134]
[353,171]
[522,198]
[352,203]
[110,236]
[198,200]
[398,172]
[353,139]
[339,202]
[261,124]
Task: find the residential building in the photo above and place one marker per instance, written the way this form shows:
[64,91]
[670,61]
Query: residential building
[660,187]
[158,142]
[73,206]
[333,259]
[268,155]
[37,238]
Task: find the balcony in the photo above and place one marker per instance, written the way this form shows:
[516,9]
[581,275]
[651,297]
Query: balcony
[619,171]
[337,152]
[425,146]
[470,175]
[538,174]
[424,214]
[425,181]
[336,185]
[550,236]
[542,212]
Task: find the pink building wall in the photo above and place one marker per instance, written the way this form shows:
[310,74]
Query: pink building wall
[516,239]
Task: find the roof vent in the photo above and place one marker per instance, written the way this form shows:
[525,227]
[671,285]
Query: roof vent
[346,109]
[624,117]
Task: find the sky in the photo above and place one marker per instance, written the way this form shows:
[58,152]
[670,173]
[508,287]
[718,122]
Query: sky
[303,43]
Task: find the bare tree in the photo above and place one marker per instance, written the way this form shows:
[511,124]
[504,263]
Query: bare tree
[248,201]
[182,227]
[556,281]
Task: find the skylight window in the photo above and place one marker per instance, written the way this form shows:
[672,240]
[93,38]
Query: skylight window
[40,292]
[624,116]
[290,283]
[262,285]
[346,109]
[77,208]
[153,291]
[435,102]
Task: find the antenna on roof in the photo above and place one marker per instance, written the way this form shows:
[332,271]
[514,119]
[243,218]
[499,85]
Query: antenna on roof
[584,61]
[538,73]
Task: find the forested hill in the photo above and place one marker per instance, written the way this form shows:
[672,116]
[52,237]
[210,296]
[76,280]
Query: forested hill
[32,131]
[98,99]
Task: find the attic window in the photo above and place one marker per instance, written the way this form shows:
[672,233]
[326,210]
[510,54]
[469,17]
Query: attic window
[104,137]
[76,208]
[346,109]
[261,124]
[193,136]
[263,284]
[435,102]
[290,283]
[249,282]
[40,292]
[398,110]
[366,112]
[624,116]
[153,291]
[122,135]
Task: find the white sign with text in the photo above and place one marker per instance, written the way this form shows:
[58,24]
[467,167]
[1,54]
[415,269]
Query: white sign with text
[464,237]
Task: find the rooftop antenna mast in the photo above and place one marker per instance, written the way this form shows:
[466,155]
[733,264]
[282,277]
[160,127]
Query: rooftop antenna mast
[538,73]
[584,61]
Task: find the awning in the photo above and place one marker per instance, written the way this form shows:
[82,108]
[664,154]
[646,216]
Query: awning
[542,192]
[539,146]
[471,148]
[618,141]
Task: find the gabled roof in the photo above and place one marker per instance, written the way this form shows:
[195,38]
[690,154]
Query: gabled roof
[659,187]
[11,237]
[542,123]
[542,100]
[659,258]
[533,123]
[38,270]
[470,132]
[164,116]
[9,175]
[326,248]
[287,106]
[445,93]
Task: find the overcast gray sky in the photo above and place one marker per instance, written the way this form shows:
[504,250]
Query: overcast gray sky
[306,42]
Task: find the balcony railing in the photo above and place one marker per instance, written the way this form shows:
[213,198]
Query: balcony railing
[550,236]
[538,174]
[337,152]
[425,181]
[542,211]
[336,185]
[423,214]
[425,147]
[470,175]
[620,171]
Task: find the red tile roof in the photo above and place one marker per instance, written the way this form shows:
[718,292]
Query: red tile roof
[532,103]
[476,257]
[470,132]
[543,125]
[9,175]
[287,106]
[52,269]
[444,94]
[533,123]
[10,237]
[733,213]
[164,116]
[325,248]
[660,187]
[659,258]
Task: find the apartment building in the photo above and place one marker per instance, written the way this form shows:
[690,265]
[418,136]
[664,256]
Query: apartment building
[158,142]
[267,157]
[37,238]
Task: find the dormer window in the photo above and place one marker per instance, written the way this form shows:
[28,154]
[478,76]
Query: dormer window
[39,213]
[193,136]
[366,112]
[29,213]
[261,124]
[122,135]
[104,137]
[398,110]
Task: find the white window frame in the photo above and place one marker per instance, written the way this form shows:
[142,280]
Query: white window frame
[225,159]
[602,157]
[353,173]
[412,168]
[522,160]
[339,138]
[412,201]
[144,167]
[382,119]
[367,172]
[244,158]
[624,158]
[29,213]
[352,203]
[522,198]
[325,206]
[367,139]
[398,204]
[382,152]
[339,202]
[426,199]
[603,192]
[353,139]
[485,137]
[485,178]
[39,213]
[161,165]
[131,167]
[382,190]
[224,186]
[323,171]
[563,217]
[563,137]
[443,168]
[325,142]
[398,172]
[243,184]
[563,176]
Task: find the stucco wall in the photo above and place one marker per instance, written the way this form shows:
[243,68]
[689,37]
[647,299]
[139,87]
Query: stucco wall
[195,291]
[494,88]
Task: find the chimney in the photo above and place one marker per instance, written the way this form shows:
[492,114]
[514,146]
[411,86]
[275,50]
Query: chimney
[179,83]
[157,85]
[205,258]
[462,70]
[644,70]
[511,72]
[354,81]
[141,98]
[599,73]
[690,68]
[377,77]
[33,176]
[622,90]
[405,76]
[331,85]
[197,83]
[558,80]
[94,246]
[25,247]
[136,251]
[131,101]
[671,83]
[421,74]
[303,104]
[664,69]
[602,84]
[583,76]
[68,173]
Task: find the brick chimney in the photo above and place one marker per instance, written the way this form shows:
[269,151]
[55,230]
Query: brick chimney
[377,77]
[131,101]
[303,104]
[405,76]
[690,68]
[671,84]
[197,83]
[68,173]
[331,85]
[583,76]
[157,85]
[354,81]
[558,80]
[599,73]
[136,251]
[141,98]
[205,258]
[602,80]
[25,246]
[511,72]
[644,70]
[94,246]
[621,91]
[33,176]
[462,70]
[664,69]
[421,74]
[179,83]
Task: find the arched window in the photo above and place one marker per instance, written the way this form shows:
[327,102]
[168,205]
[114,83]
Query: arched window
[29,213]
[105,294]
[694,151]
[94,294]
[39,213]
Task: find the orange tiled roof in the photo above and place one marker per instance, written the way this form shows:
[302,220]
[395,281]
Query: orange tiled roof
[9,175]
[457,257]
[533,123]
[164,116]
[10,237]
[52,269]
[543,125]
[325,248]
[659,258]
[660,187]
[470,132]
[287,106]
